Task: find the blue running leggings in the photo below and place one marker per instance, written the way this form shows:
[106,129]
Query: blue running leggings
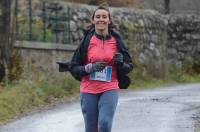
[98,110]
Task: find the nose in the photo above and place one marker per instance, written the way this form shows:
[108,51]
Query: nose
[101,19]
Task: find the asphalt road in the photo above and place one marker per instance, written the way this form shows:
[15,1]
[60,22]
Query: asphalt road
[168,109]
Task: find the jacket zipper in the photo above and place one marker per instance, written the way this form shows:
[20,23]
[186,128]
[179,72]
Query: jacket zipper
[103,43]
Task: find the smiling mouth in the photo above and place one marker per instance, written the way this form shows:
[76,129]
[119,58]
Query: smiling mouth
[101,23]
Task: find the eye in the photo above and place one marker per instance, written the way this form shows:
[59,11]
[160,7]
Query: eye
[104,16]
[97,16]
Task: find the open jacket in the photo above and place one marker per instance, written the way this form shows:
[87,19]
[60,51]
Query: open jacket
[77,68]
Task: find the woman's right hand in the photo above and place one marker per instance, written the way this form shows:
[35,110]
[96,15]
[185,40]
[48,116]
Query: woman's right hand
[95,67]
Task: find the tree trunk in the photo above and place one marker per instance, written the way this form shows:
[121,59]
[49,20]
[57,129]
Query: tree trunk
[6,37]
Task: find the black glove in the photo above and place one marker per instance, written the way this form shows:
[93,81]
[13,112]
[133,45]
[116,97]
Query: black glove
[95,67]
[118,60]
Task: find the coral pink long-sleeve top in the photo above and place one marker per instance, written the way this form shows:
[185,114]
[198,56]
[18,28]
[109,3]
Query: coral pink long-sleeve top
[100,49]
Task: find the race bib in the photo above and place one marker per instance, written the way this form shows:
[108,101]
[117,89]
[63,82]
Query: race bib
[104,75]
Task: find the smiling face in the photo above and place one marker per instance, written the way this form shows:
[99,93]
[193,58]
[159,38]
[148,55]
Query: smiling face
[101,20]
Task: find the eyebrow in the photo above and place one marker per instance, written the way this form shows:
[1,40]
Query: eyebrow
[101,14]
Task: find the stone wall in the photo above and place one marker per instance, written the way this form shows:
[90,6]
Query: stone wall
[144,29]
[175,6]
[158,40]
[183,39]
[146,32]
[39,59]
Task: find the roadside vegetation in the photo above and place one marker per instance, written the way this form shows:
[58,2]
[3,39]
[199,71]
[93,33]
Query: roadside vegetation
[23,96]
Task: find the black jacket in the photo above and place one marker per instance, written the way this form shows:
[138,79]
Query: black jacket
[77,68]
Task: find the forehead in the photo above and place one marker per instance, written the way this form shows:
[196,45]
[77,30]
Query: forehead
[101,12]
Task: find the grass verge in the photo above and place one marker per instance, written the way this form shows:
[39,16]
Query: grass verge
[23,96]
[178,78]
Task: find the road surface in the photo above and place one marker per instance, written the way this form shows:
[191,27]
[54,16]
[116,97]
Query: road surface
[167,109]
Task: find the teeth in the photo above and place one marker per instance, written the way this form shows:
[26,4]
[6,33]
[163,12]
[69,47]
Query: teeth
[101,22]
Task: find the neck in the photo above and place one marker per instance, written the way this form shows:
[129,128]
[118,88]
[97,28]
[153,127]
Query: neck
[102,32]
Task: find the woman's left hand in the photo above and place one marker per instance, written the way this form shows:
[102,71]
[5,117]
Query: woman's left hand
[118,59]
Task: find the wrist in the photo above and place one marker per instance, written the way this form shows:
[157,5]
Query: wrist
[88,67]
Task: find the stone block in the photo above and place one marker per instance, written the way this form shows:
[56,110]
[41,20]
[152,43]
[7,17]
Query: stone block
[181,56]
[152,46]
[198,46]
[142,58]
[141,22]
[157,53]
[185,48]
[187,36]
[195,36]
[73,26]
[172,51]
[154,38]
[174,35]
